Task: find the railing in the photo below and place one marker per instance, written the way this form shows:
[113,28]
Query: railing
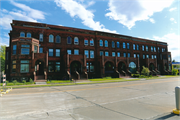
[77,75]
[86,75]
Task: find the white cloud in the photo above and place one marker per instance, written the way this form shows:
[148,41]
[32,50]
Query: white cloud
[127,12]
[173,41]
[152,20]
[79,10]
[26,14]
[173,20]
[172,9]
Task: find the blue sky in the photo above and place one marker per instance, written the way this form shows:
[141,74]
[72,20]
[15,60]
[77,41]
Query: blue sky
[152,19]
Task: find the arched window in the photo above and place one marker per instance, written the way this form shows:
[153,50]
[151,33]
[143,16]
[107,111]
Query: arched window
[28,34]
[118,45]
[85,41]
[76,41]
[51,38]
[91,42]
[113,44]
[106,43]
[41,37]
[69,40]
[58,39]
[124,45]
[22,34]
[100,43]
[132,67]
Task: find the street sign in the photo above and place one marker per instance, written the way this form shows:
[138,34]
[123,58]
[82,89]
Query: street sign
[4,75]
[4,80]
[4,84]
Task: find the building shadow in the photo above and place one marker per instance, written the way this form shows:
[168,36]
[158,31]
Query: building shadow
[170,116]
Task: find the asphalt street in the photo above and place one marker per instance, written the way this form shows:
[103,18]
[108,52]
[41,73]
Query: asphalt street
[132,100]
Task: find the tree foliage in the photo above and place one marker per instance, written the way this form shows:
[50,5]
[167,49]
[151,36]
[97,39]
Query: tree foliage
[145,71]
[2,55]
[174,71]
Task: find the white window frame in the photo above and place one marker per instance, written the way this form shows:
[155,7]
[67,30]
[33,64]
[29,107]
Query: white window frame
[86,42]
[76,41]
[91,53]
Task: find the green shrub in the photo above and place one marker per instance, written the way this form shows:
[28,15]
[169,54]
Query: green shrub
[48,82]
[14,82]
[7,82]
[135,75]
[31,81]
[24,82]
[145,71]
[174,71]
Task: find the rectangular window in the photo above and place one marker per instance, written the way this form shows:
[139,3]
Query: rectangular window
[124,54]
[76,52]
[147,56]
[24,66]
[129,55]
[134,55]
[69,52]
[25,49]
[124,45]
[137,47]
[169,58]
[13,66]
[134,47]
[142,47]
[57,67]
[151,48]
[113,44]
[137,55]
[85,42]
[113,54]
[154,49]
[40,50]
[158,49]
[91,53]
[146,48]
[41,37]
[50,52]
[76,41]
[35,49]
[7,53]
[57,52]
[91,67]
[87,66]
[101,53]
[128,46]
[51,66]
[86,52]
[118,54]
[91,42]
[118,45]
[152,56]
[106,53]
[143,56]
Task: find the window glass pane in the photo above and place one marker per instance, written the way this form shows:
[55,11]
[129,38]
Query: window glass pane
[50,67]
[134,47]
[25,45]
[134,55]
[137,47]
[69,52]
[113,44]
[69,40]
[41,37]
[118,54]
[87,67]
[25,51]
[132,67]
[137,55]
[57,67]
[86,52]
[91,42]
[127,45]
[58,52]
[152,56]
[22,34]
[143,56]
[124,54]
[106,43]
[85,41]
[113,54]
[118,45]
[76,52]
[24,68]
[28,34]
[154,49]
[40,50]
[35,49]
[146,48]
[106,53]
[50,52]
[100,43]
[51,38]
[101,53]
[76,40]
[91,54]
[142,47]
[129,55]
[14,49]
[58,39]
[91,67]
[24,61]
[147,56]
[151,48]
[124,45]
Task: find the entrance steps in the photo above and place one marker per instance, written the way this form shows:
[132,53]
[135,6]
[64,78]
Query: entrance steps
[40,83]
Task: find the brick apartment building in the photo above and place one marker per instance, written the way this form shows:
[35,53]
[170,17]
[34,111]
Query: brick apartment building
[42,51]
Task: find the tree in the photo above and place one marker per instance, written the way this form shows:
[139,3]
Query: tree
[2,55]
[145,71]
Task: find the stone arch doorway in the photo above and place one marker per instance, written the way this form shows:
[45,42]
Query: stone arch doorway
[39,67]
[132,67]
[109,68]
[75,66]
[121,66]
[151,67]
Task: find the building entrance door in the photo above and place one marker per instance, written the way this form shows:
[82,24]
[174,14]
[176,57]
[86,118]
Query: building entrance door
[39,67]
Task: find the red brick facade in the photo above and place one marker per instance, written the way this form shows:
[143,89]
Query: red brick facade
[31,57]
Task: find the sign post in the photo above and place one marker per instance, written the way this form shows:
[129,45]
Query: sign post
[4,82]
[177,97]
